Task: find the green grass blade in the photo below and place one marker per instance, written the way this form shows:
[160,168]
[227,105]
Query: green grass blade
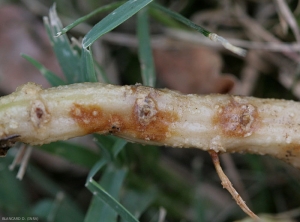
[102,162]
[46,184]
[212,36]
[114,19]
[41,180]
[181,19]
[137,201]
[87,66]
[101,73]
[86,17]
[105,143]
[165,19]
[110,146]
[68,58]
[13,196]
[104,140]
[53,79]
[145,51]
[57,210]
[118,146]
[104,206]
[72,152]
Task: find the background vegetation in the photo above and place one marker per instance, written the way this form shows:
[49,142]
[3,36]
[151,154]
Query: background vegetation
[91,178]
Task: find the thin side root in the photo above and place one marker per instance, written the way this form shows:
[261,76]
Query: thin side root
[228,186]
[21,159]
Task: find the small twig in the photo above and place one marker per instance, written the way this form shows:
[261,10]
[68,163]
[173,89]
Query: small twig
[256,31]
[228,186]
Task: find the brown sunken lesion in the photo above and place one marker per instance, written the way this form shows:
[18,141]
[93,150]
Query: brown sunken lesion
[39,115]
[151,123]
[237,119]
[39,112]
[145,121]
[90,118]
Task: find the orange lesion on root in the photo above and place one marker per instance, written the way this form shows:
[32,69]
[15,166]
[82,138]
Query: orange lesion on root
[150,123]
[90,118]
[93,119]
[237,119]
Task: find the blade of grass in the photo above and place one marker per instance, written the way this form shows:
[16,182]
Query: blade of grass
[164,19]
[13,196]
[102,162]
[58,210]
[42,181]
[104,206]
[200,204]
[114,19]
[86,17]
[118,146]
[67,57]
[105,143]
[80,154]
[138,201]
[181,19]
[53,211]
[212,36]
[110,146]
[101,73]
[53,79]
[47,185]
[87,65]
[145,51]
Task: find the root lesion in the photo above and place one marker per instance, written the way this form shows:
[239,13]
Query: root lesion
[228,186]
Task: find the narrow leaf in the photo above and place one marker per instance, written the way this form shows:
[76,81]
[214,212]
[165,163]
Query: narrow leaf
[165,19]
[137,201]
[110,146]
[106,196]
[145,52]
[67,57]
[101,73]
[212,36]
[13,195]
[181,18]
[80,154]
[53,79]
[87,66]
[105,143]
[96,168]
[118,146]
[86,17]
[114,19]
[57,210]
